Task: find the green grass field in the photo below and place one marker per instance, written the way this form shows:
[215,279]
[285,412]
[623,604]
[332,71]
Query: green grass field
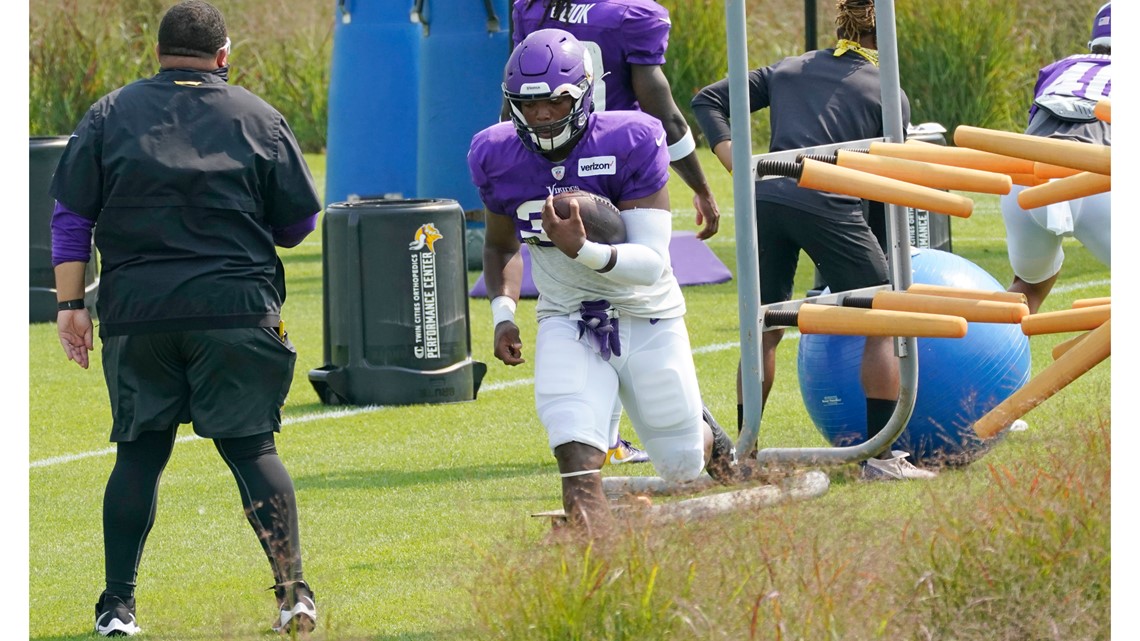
[415,519]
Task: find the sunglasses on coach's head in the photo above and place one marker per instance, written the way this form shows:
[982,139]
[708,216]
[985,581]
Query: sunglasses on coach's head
[225,47]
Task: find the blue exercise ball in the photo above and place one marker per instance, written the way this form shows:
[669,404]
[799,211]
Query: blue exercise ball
[959,380]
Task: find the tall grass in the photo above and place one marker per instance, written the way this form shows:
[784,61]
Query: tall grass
[961,61]
[80,51]
[1043,538]
[698,48]
[698,52]
[1021,553]
[964,62]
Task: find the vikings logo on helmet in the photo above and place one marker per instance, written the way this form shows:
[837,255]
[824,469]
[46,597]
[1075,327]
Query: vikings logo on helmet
[426,235]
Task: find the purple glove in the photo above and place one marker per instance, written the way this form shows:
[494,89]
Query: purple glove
[603,329]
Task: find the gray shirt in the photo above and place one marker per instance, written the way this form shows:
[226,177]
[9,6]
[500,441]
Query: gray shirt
[813,99]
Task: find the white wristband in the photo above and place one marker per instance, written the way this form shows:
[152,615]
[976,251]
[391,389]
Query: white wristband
[683,147]
[594,255]
[503,309]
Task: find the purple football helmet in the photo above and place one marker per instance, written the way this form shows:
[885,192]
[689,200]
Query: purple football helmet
[546,64]
[1102,27]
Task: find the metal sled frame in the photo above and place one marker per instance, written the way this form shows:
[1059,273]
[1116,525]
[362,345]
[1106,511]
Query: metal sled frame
[752,325]
[751,313]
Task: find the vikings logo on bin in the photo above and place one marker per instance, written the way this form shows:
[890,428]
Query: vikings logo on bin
[427,234]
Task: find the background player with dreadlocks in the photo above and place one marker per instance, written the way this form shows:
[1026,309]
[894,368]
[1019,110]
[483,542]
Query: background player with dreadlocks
[1063,101]
[627,40]
[821,97]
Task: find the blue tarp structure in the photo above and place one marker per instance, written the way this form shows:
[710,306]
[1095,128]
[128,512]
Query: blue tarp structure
[409,87]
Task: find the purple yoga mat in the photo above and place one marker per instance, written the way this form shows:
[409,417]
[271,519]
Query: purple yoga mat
[693,264]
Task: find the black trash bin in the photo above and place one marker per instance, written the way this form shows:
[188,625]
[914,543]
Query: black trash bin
[43,156]
[396,328]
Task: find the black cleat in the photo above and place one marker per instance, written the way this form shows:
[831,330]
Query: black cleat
[722,463]
[296,609]
[115,616]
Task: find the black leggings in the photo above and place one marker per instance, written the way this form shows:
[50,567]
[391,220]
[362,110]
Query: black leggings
[131,499]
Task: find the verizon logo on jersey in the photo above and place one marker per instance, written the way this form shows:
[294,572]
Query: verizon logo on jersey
[575,14]
[597,166]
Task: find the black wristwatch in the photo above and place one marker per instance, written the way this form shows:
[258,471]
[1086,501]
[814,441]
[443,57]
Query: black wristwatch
[71,304]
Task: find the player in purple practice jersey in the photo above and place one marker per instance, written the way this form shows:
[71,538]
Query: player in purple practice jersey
[610,317]
[1063,101]
[627,40]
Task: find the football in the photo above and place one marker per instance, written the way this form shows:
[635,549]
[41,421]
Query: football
[600,217]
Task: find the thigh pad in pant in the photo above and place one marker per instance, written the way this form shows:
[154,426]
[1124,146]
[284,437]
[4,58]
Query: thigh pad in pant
[574,389]
[660,393]
[1035,252]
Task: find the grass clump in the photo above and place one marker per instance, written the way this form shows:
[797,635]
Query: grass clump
[1013,549]
[593,594]
[1041,538]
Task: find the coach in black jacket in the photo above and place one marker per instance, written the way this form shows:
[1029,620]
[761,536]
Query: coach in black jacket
[188,184]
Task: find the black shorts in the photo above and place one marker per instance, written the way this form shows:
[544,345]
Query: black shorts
[844,250]
[227,382]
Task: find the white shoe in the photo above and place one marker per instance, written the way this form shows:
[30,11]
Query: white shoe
[894,468]
[1018,426]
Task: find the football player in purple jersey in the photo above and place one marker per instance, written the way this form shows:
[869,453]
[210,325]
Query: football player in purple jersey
[1063,101]
[610,317]
[627,40]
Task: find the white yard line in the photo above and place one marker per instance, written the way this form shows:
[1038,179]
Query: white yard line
[1076,287]
[493,387]
[289,420]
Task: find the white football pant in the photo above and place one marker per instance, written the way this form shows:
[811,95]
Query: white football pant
[1034,236]
[575,390]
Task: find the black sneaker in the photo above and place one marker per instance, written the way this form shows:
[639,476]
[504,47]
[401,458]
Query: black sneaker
[296,609]
[722,462]
[115,616]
